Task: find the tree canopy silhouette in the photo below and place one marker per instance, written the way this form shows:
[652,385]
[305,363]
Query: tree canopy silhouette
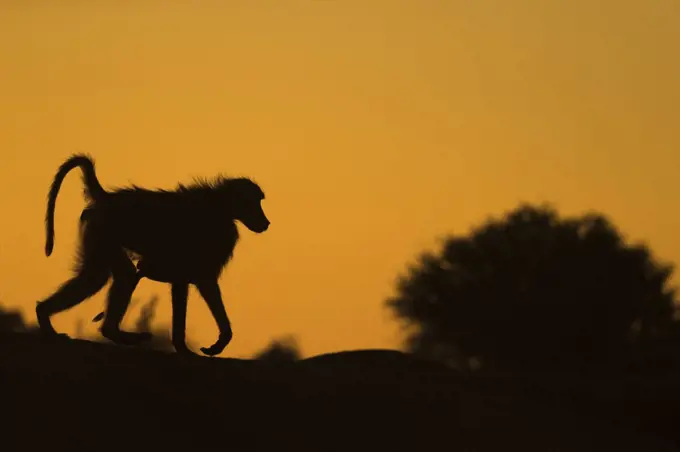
[535,291]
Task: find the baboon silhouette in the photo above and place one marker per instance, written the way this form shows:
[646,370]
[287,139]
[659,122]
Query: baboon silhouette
[182,236]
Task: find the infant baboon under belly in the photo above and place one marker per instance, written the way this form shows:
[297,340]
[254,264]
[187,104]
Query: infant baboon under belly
[159,270]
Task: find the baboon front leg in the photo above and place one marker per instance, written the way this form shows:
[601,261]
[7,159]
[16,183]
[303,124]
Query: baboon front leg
[86,283]
[125,281]
[180,292]
[210,291]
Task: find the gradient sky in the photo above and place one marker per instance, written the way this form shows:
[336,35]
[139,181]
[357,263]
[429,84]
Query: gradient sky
[376,128]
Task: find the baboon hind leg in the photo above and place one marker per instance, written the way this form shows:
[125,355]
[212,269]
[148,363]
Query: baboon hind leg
[125,281]
[93,269]
[86,283]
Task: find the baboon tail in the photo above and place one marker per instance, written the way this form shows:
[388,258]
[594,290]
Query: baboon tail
[93,190]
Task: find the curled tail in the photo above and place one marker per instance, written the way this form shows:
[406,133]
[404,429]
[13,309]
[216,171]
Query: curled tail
[93,190]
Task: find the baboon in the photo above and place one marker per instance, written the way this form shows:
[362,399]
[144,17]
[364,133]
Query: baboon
[182,236]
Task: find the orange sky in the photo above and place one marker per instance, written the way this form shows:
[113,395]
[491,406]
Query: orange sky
[374,127]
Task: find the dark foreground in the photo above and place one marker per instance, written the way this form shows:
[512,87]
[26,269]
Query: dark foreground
[77,395]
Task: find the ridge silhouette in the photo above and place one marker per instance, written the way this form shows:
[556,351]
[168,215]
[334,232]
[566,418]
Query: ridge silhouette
[79,395]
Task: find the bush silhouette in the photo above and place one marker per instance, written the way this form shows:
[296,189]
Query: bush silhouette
[161,338]
[535,291]
[285,349]
[12,321]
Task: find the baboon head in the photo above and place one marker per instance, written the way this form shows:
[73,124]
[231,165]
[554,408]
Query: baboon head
[246,197]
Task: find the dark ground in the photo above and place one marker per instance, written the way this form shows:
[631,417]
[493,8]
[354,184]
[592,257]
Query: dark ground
[74,395]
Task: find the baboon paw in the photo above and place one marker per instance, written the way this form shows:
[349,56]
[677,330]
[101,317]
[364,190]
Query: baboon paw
[211,351]
[214,349]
